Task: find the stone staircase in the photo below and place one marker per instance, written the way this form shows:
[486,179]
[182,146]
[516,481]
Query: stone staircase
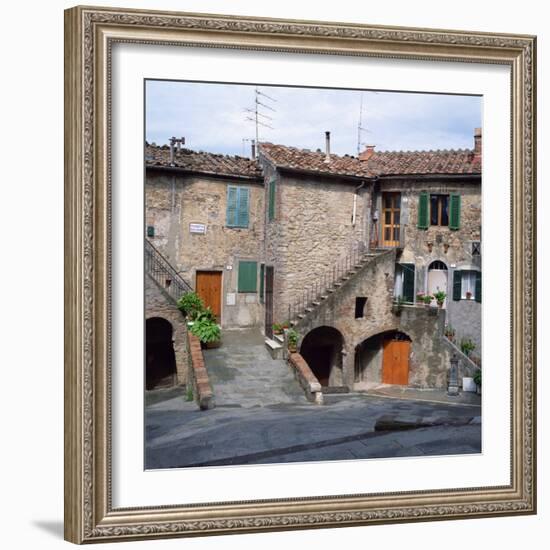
[330,282]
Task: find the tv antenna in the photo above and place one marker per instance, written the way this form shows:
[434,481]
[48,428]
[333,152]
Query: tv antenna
[360,127]
[257,115]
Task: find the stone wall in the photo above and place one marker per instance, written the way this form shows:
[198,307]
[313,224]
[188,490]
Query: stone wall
[173,202]
[452,247]
[429,360]
[312,229]
[159,304]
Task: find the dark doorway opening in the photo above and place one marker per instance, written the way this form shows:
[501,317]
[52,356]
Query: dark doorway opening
[322,350]
[160,359]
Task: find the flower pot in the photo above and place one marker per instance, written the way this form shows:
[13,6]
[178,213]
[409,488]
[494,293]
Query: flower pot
[211,345]
[440,305]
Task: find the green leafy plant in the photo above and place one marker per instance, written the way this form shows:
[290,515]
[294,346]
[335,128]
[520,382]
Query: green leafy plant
[189,394]
[190,305]
[449,332]
[277,328]
[477,377]
[292,336]
[420,297]
[428,299]
[207,314]
[440,296]
[206,330]
[467,346]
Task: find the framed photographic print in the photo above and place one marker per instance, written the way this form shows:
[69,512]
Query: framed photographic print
[299,274]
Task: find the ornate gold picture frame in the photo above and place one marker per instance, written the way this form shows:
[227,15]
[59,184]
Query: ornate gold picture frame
[90,34]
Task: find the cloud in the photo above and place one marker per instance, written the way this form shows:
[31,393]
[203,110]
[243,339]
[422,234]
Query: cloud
[213,117]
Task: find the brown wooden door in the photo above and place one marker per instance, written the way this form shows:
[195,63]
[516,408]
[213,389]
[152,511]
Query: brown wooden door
[209,288]
[269,301]
[391,219]
[395,363]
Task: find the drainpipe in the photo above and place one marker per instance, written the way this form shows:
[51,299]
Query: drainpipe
[355,193]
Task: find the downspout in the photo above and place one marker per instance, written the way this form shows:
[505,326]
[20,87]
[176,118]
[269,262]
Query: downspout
[355,193]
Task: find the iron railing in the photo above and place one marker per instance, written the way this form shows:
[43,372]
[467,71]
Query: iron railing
[162,271]
[327,282]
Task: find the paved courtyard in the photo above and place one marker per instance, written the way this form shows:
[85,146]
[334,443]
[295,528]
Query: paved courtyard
[262,416]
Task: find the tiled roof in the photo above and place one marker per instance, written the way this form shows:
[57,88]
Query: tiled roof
[202,162]
[313,161]
[457,162]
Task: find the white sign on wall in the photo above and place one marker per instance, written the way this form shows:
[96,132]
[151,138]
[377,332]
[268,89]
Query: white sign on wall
[231,299]
[199,228]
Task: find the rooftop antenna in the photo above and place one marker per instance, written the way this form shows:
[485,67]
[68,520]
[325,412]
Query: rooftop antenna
[257,116]
[360,127]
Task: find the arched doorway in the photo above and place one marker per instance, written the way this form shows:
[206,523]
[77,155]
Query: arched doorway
[160,359]
[322,350]
[382,359]
[437,278]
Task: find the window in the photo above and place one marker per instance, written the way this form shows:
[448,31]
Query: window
[150,231]
[247,281]
[476,248]
[438,210]
[237,206]
[271,201]
[360,303]
[467,285]
[404,282]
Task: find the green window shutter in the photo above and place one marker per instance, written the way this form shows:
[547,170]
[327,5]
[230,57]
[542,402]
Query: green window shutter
[454,212]
[242,211]
[247,276]
[262,271]
[232,197]
[478,286]
[457,285]
[408,282]
[423,210]
[271,208]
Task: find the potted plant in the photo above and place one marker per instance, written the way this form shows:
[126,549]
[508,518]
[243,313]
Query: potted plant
[468,295]
[428,300]
[450,332]
[277,328]
[207,330]
[292,338]
[467,346]
[477,380]
[420,297]
[190,304]
[440,298]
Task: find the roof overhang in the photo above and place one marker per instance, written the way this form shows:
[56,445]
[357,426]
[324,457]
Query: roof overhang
[187,172]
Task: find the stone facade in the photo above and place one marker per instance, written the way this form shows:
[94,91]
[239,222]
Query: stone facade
[176,200]
[159,304]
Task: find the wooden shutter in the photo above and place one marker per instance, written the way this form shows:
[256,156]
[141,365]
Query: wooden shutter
[454,212]
[232,197]
[478,286]
[423,210]
[262,270]
[457,285]
[242,209]
[408,282]
[271,208]
[247,276]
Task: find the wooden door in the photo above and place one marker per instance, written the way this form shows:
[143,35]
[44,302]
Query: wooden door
[391,219]
[269,301]
[395,363]
[209,288]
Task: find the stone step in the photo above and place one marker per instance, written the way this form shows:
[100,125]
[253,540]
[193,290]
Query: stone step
[275,348]
[308,309]
[323,297]
[316,303]
[279,338]
[300,315]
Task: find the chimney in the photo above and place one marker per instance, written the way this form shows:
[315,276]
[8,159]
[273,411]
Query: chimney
[327,146]
[173,141]
[253,147]
[477,144]
[367,153]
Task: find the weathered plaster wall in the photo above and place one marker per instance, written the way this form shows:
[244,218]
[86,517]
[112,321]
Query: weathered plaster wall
[158,304]
[173,202]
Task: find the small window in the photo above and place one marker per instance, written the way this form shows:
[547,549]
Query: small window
[247,280]
[476,248]
[360,303]
[150,231]
[237,206]
[468,285]
[439,210]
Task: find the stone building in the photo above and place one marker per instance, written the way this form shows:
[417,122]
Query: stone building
[340,246]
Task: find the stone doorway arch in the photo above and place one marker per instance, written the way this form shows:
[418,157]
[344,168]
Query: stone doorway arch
[322,350]
[160,358]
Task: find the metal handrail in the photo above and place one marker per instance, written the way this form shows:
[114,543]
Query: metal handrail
[313,292]
[162,271]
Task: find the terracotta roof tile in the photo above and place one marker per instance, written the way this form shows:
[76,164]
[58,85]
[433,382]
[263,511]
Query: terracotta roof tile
[199,161]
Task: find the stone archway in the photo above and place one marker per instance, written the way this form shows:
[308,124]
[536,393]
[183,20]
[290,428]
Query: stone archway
[377,357]
[160,358]
[322,350]
[437,278]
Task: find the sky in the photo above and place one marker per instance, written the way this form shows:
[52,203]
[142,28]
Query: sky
[213,117]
